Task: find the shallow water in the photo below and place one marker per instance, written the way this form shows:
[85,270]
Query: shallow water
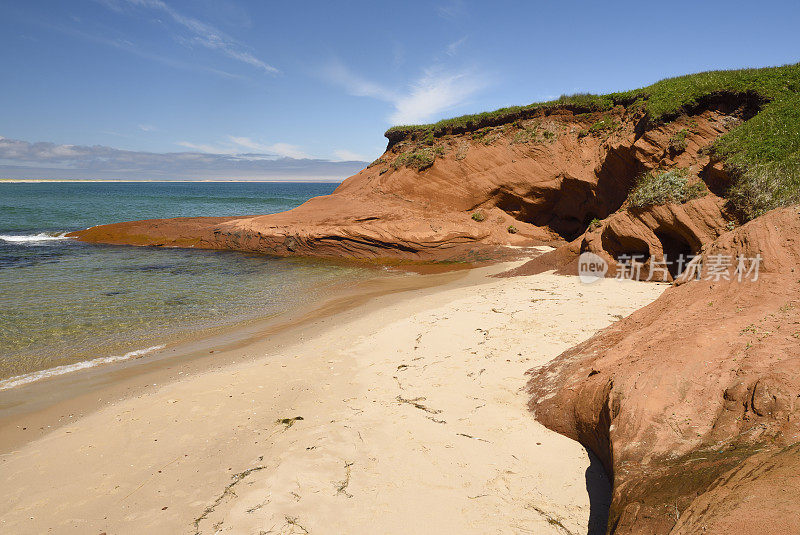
[66,305]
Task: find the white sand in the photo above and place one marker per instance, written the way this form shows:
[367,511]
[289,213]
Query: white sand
[468,458]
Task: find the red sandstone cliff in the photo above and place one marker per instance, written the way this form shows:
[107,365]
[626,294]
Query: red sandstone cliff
[542,179]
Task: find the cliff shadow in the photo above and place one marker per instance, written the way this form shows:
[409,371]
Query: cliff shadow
[598,486]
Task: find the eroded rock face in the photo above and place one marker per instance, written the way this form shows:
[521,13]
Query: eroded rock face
[658,232]
[655,237]
[693,403]
[540,181]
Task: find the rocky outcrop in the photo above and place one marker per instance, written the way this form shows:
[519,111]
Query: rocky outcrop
[693,403]
[653,238]
[466,197]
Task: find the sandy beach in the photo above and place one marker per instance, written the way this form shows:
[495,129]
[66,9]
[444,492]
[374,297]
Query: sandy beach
[403,414]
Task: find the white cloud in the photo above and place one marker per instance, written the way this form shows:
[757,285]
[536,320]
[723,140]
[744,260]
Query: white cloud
[210,149]
[23,159]
[287,151]
[246,147]
[147,128]
[354,84]
[248,143]
[436,91]
[281,149]
[453,47]
[344,155]
[200,33]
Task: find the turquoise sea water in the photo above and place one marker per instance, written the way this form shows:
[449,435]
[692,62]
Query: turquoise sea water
[65,305]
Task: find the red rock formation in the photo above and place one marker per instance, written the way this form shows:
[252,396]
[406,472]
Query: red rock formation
[693,403]
[654,233]
[547,176]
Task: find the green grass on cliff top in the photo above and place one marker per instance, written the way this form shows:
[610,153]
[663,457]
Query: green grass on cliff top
[764,152]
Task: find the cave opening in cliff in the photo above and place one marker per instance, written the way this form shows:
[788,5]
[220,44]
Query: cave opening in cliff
[568,203]
[567,211]
[572,207]
[676,248]
[623,247]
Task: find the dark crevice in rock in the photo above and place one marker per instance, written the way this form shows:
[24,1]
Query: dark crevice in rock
[569,209]
[716,178]
[675,247]
[619,246]
[742,105]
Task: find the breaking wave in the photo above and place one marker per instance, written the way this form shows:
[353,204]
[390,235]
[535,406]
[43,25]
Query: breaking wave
[27,378]
[33,238]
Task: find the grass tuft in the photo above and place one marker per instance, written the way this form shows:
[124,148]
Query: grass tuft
[418,159]
[606,124]
[763,188]
[678,143]
[662,187]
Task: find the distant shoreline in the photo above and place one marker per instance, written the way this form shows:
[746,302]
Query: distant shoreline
[53,180]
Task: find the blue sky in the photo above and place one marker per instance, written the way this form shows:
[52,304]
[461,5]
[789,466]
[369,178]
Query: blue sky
[242,89]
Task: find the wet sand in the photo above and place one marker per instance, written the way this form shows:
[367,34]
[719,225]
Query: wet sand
[30,411]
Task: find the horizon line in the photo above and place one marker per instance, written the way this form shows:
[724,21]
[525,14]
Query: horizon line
[147,180]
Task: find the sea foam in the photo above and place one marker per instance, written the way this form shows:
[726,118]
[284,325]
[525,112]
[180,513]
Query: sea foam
[27,378]
[34,238]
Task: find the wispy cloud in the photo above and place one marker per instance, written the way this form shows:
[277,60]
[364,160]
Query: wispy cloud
[128,46]
[197,32]
[435,91]
[147,128]
[451,9]
[23,159]
[281,149]
[356,85]
[238,145]
[209,149]
[452,48]
[344,155]
[398,55]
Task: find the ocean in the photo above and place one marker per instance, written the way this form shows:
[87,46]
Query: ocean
[66,305]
